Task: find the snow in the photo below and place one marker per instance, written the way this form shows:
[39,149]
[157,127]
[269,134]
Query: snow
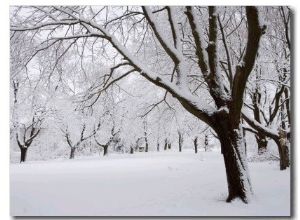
[166,183]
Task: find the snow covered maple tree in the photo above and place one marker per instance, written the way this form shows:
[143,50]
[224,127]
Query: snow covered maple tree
[175,48]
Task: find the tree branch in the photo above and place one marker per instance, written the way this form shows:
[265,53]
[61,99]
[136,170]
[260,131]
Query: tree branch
[244,68]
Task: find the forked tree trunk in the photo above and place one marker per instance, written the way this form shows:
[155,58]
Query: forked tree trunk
[23,154]
[72,153]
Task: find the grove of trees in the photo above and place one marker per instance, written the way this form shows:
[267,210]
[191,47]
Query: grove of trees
[112,78]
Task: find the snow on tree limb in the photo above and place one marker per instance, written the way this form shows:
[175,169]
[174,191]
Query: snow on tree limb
[174,26]
[259,127]
[199,41]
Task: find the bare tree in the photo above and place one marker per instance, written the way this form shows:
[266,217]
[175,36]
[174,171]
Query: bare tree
[73,146]
[26,124]
[112,139]
[29,133]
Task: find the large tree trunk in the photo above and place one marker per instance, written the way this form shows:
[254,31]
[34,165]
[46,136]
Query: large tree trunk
[72,153]
[233,150]
[238,179]
[23,154]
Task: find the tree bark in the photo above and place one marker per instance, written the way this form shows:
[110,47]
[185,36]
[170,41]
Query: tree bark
[233,150]
[23,154]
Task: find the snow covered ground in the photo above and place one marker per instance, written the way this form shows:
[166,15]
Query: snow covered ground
[143,184]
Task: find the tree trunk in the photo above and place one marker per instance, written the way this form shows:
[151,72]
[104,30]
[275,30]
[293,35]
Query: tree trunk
[261,144]
[180,141]
[105,150]
[166,144]
[169,146]
[233,150]
[284,155]
[283,150]
[157,148]
[196,144]
[147,147]
[131,150]
[23,154]
[72,153]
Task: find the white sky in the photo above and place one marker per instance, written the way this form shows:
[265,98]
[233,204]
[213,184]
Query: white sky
[4,75]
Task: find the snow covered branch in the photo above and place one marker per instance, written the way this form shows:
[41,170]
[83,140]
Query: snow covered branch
[259,127]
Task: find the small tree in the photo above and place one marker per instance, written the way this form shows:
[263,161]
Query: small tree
[73,146]
[112,140]
[26,140]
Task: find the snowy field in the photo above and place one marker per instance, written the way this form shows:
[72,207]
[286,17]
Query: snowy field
[143,184]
